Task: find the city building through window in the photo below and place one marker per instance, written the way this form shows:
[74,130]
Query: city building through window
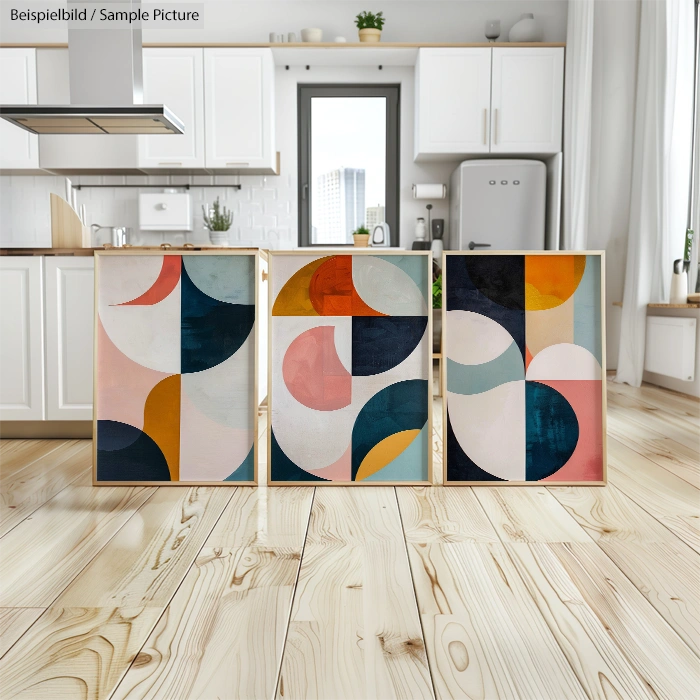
[349,163]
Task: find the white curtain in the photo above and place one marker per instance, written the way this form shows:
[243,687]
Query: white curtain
[577,124]
[658,203]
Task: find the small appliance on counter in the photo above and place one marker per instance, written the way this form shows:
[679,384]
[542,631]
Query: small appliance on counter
[380,237]
[498,205]
[437,246]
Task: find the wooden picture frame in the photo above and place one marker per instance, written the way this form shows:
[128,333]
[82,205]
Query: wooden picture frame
[444,378]
[259,279]
[320,252]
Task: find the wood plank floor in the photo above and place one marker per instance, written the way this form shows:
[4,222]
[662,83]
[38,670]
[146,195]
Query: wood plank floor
[205,593]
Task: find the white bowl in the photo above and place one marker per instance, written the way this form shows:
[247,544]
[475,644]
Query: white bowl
[312,36]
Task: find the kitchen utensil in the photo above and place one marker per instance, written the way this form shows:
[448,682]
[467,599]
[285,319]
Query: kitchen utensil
[117,234]
[292,37]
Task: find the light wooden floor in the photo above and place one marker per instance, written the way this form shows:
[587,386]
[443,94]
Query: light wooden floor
[485,593]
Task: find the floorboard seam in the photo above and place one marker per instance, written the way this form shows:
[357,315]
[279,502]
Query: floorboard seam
[294,594]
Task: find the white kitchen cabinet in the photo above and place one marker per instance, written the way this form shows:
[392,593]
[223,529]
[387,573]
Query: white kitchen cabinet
[527,91]
[453,93]
[19,150]
[22,338]
[239,102]
[69,284]
[174,77]
[478,100]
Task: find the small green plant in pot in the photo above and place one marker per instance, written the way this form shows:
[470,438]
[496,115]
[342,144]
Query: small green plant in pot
[360,237]
[370,26]
[217,220]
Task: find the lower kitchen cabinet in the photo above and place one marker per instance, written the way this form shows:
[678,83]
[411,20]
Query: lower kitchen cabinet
[46,337]
[21,338]
[69,284]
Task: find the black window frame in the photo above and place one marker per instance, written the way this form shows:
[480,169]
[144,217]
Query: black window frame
[392,93]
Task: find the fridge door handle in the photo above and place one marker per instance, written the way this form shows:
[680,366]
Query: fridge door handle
[486,125]
[495,126]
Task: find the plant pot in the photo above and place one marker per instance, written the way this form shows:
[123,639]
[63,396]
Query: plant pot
[312,35]
[370,36]
[361,240]
[218,238]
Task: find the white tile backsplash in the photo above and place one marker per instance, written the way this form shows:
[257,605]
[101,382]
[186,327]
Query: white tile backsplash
[260,217]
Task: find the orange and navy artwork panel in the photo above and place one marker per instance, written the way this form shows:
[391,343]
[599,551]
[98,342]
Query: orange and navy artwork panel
[350,368]
[523,349]
[175,368]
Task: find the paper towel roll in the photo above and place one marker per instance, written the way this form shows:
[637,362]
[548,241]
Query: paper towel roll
[437,191]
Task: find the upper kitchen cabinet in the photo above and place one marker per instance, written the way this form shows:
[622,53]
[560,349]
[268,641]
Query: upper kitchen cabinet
[477,100]
[239,101]
[527,91]
[453,93]
[174,77]
[19,150]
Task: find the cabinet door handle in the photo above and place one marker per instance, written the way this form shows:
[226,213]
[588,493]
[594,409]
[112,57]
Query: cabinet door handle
[495,126]
[175,163]
[486,125]
[238,165]
[473,245]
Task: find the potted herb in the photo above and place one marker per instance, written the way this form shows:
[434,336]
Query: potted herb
[360,237]
[370,26]
[217,220]
[437,309]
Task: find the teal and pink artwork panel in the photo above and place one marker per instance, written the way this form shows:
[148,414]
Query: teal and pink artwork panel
[523,349]
[350,366]
[175,368]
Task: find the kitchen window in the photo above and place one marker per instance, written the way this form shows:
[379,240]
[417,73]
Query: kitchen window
[348,161]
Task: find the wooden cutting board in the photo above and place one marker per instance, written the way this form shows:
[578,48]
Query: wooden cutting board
[67,230]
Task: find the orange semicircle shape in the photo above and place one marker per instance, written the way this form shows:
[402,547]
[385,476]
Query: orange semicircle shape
[167,279]
[551,279]
[333,293]
[293,299]
[161,421]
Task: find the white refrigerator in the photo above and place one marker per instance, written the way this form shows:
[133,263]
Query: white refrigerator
[498,205]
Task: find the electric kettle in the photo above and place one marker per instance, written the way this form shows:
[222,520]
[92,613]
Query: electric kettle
[380,236]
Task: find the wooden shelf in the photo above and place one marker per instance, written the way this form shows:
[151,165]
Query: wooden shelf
[673,306]
[308,45]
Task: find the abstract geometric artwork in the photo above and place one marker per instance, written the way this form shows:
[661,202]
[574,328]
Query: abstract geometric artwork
[175,370]
[524,368]
[349,362]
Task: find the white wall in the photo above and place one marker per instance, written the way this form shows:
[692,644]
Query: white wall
[407,20]
[613,97]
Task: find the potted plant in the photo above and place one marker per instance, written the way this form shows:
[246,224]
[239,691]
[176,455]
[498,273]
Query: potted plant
[217,221]
[437,309]
[370,26]
[360,237]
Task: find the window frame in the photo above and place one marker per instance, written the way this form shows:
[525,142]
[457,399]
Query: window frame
[392,93]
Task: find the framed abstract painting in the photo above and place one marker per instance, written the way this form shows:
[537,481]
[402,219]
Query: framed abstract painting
[350,365]
[176,362]
[523,379]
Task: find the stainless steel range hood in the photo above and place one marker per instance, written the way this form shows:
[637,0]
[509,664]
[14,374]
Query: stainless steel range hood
[106,93]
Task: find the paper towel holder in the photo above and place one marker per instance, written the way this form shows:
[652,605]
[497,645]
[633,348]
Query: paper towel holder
[429,191]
